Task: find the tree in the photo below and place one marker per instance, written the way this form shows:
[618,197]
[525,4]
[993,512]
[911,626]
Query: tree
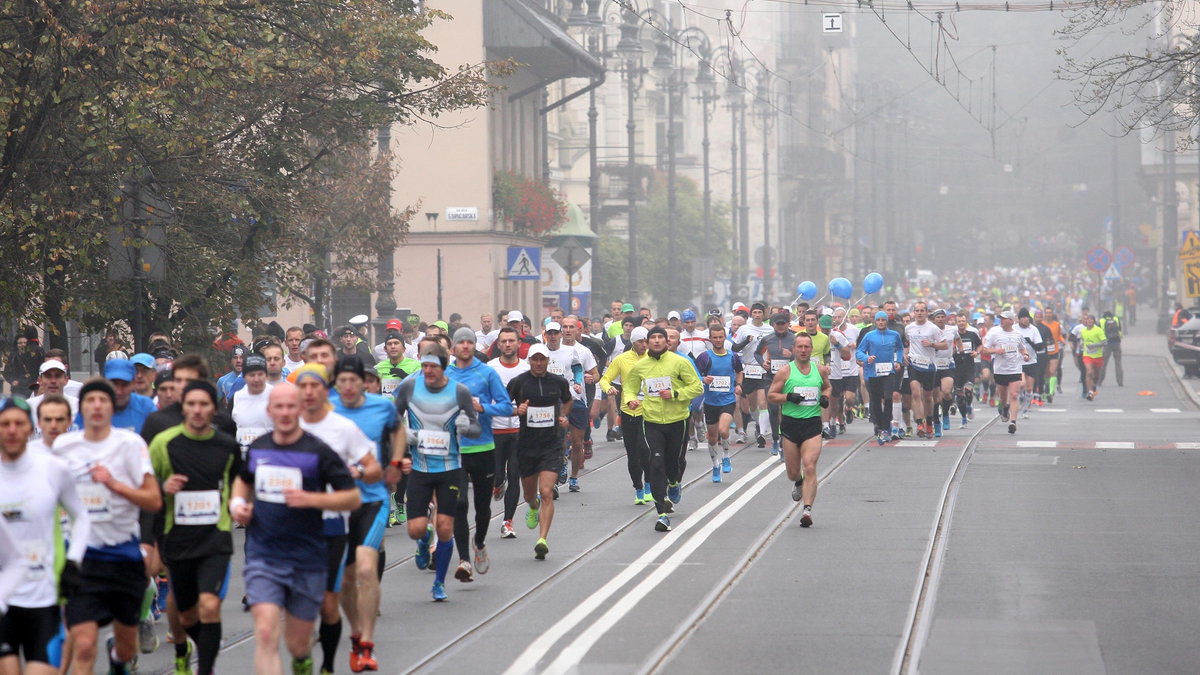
[654,247]
[241,115]
[1156,87]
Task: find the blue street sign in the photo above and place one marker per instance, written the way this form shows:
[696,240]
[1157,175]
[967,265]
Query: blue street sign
[524,263]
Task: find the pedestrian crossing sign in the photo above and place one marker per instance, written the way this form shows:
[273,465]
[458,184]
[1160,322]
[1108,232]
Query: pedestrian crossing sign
[524,263]
[1190,250]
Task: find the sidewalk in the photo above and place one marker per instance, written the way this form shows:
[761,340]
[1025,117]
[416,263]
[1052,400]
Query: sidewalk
[1145,342]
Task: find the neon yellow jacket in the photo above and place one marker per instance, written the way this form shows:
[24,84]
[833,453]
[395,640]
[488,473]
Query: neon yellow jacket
[650,375]
[617,369]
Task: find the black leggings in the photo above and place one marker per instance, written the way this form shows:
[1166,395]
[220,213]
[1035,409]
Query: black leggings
[507,465]
[666,445]
[636,457]
[480,469]
[880,390]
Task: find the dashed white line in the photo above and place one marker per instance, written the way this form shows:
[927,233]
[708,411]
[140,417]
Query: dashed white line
[1165,411]
[1110,410]
[1115,445]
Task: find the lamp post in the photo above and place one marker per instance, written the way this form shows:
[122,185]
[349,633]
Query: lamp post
[766,115]
[664,68]
[592,25]
[385,301]
[707,97]
[630,50]
[733,94]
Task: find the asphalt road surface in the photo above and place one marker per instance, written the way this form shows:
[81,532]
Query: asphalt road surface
[1070,547]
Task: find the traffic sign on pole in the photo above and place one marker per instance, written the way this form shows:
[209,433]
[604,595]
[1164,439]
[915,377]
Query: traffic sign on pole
[1099,259]
[1123,257]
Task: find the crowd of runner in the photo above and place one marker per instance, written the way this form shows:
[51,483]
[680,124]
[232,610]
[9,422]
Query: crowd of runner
[121,494]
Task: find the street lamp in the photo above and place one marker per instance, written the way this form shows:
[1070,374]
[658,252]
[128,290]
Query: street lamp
[706,87]
[664,69]
[630,51]
[766,115]
[733,96]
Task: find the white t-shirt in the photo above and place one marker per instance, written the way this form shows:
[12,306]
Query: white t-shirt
[750,367]
[1010,361]
[944,358]
[693,343]
[346,440]
[921,357]
[563,360]
[250,415]
[289,364]
[124,454]
[507,374]
[1032,335]
[850,333]
[31,490]
[36,401]
[72,387]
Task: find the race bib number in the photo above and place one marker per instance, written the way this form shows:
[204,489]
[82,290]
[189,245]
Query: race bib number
[97,500]
[778,365]
[753,372]
[247,435]
[1011,350]
[655,385]
[941,363]
[198,507]
[389,385]
[433,442]
[271,481]
[557,369]
[919,361]
[37,559]
[967,347]
[809,394]
[540,417]
[883,368]
[720,384]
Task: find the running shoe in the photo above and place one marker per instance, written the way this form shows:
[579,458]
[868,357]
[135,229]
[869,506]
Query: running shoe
[693,444]
[498,491]
[610,436]
[797,490]
[554,488]
[115,667]
[506,530]
[366,659]
[573,484]
[761,440]
[668,506]
[562,474]
[648,492]
[896,433]
[540,549]
[663,524]
[439,591]
[908,431]
[953,410]
[964,423]
[937,428]
[531,518]
[675,493]
[1012,427]
[883,437]
[182,666]
[302,666]
[1091,396]
[946,419]
[806,518]
[726,465]
[741,438]
[716,474]
[639,497]
[465,573]
[774,447]
[841,429]
[824,435]
[423,558]
[482,562]
[401,514]
[355,654]
[587,449]
[617,433]
[147,638]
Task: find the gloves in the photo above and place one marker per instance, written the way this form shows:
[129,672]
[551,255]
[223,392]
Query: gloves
[411,435]
[462,424]
[824,401]
[795,398]
[70,580]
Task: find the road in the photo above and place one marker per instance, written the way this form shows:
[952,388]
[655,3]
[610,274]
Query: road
[1070,547]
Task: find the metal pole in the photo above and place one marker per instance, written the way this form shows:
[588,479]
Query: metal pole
[744,206]
[739,270]
[385,302]
[670,287]
[767,258]
[631,128]
[593,183]
[439,283]
[1170,238]
[139,289]
[570,280]
[707,188]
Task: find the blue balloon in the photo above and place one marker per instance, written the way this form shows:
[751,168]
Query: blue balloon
[872,283]
[841,287]
[807,290]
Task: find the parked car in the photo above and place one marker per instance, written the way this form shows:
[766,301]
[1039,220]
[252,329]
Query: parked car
[1184,344]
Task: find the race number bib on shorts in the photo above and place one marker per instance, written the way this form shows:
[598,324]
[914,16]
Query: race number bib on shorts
[883,368]
[778,365]
[97,500]
[271,481]
[941,363]
[753,371]
[539,417]
[433,442]
[37,559]
[918,361]
[719,384]
[809,394]
[656,384]
[198,507]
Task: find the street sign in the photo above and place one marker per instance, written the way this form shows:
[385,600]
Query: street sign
[1191,277]
[524,263]
[1190,250]
[831,23]
[1113,274]
[1123,257]
[570,255]
[462,213]
[1099,259]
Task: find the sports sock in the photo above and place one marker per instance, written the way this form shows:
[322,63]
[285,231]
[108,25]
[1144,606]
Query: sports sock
[329,634]
[148,597]
[764,420]
[1052,386]
[444,549]
[208,643]
[193,631]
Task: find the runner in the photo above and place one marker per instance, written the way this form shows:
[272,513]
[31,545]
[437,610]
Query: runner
[197,465]
[505,430]
[1054,351]
[965,367]
[232,381]
[881,355]
[802,390]
[754,378]
[1092,340]
[114,477]
[249,404]
[943,362]
[542,399]
[845,388]
[52,380]
[666,383]
[636,459]
[293,337]
[721,372]
[34,485]
[774,354]
[924,338]
[54,418]
[1009,353]
[490,400]
[1112,348]
[289,476]
[440,412]
[593,358]
[394,366]
[569,363]
[1036,349]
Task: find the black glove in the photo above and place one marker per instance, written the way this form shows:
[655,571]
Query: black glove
[798,399]
[70,580]
[824,401]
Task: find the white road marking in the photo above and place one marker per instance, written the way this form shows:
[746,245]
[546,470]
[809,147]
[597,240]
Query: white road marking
[1052,409]
[527,662]
[1165,410]
[1037,444]
[1115,445]
[1110,410]
[1188,446]
[916,444]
